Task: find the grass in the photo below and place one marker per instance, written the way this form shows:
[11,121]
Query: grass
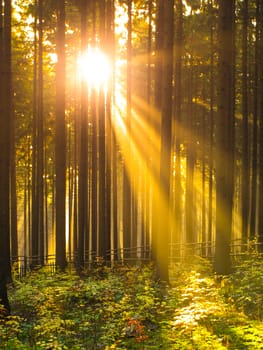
[126,308]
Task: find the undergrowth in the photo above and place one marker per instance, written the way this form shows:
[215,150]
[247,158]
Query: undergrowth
[125,308]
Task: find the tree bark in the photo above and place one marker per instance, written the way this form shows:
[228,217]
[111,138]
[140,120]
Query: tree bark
[60,140]
[127,191]
[5,117]
[259,62]
[164,229]
[245,126]
[225,137]
[83,158]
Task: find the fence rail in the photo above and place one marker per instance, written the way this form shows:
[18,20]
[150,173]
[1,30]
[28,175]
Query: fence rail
[177,252]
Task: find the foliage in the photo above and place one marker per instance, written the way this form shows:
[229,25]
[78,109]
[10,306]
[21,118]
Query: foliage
[126,308]
[245,285]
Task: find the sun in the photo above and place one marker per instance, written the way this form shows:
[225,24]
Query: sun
[94,68]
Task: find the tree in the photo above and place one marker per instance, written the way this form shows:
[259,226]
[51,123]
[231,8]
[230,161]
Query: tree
[211,124]
[164,229]
[155,169]
[60,139]
[5,117]
[259,91]
[225,136]
[190,142]
[110,212]
[127,186]
[38,142]
[83,157]
[104,228]
[245,126]
[178,117]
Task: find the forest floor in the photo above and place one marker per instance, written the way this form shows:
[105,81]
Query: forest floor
[125,308]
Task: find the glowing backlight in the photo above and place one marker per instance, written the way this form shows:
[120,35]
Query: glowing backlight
[94,67]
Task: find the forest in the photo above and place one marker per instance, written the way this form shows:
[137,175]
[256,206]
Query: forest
[131,137]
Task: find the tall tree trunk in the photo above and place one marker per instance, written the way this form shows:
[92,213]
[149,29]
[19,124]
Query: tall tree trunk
[178,120]
[40,141]
[13,191]
[127,192]
[211,132]
[114,194]
[255,132]
[260,114]
[103,230]
[38,144]
[225,137]
[94,162]
[245,125]
[83,159]
[60,140]
[147,181]
[5,117]
[190,160]
[164,229]
[109,130]
[35,192]
[13,184]
[155,171]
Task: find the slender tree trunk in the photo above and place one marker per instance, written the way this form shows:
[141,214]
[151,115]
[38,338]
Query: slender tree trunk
[103,231]
[114,200]
[127,192]
[109,131]
[255,132]
[178,120]
[148,150]
[83,158]
[13,191]
[94,177]
[40,141]
[103,237]
[260,113]
[35,192]
[159,36]
[13,185]
[211,138]
[114,208]
[225,138]
[60,140]
[5,117]
[164,229]
[94,161]
[245,126]
[190,159]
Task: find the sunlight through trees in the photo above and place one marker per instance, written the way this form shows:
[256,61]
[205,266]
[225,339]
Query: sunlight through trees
[130,131]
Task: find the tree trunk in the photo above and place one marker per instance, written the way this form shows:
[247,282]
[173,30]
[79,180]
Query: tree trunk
[245,126]
[5,117]
[164,229]
[94,162]
[178,120]
[40,141]
[83,158]
[60,140]
[127,192]
[225,137]
[109,43]
[35,192]
[255,132]
[190,160]
[211,132]
[259,42]
[155,169]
